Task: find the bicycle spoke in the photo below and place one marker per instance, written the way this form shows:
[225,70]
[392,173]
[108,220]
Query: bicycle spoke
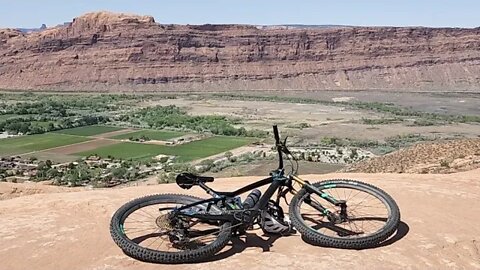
[366,214]
[151,228]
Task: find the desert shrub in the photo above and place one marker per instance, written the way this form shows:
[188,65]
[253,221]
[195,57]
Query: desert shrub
[299,126]
[381,121]
[353,153]
[423,122]
[444,163]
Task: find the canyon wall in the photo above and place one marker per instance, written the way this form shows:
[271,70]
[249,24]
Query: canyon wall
[109,52]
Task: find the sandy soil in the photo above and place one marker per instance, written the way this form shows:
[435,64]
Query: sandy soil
[429,101]
[69,230]
[260,114]
[13,190]
[333,121]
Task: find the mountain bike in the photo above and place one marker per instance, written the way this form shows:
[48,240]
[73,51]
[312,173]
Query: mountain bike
[172,228]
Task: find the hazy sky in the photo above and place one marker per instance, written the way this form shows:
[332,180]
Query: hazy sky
[452,13]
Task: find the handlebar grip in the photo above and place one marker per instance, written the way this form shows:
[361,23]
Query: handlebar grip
[275,133]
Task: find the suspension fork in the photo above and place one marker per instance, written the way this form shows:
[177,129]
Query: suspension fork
[324,195]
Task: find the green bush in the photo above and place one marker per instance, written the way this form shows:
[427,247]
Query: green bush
[299,126]
[173,117]
[381,121]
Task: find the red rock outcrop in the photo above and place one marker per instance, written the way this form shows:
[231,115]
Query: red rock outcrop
[108,51]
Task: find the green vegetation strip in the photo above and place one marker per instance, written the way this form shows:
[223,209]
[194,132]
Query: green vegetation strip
[88,130]
[174,117]
[8,116]
[185,152]
[151,134]
[25,144]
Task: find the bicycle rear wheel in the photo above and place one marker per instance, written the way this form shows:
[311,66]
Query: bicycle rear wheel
[145,230]
[371,215]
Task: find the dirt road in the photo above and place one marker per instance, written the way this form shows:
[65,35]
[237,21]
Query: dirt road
[69,230]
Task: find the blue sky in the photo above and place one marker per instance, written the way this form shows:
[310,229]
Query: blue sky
[436,13]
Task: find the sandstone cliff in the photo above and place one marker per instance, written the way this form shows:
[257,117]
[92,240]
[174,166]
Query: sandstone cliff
[108,51]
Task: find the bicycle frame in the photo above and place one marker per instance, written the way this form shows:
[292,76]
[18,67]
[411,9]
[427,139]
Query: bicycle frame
[276,181]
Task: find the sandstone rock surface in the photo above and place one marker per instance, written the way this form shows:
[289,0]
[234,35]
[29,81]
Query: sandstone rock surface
[69,230]
[433,157]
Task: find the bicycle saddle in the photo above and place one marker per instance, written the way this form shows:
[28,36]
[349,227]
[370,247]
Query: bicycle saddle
[188,180]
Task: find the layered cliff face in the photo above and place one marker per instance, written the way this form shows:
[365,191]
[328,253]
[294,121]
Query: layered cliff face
[107,51]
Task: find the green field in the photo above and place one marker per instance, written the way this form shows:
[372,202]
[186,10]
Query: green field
[159,135]
[208,147]
[185,152]
[88,130]
[126,150]
[30,143]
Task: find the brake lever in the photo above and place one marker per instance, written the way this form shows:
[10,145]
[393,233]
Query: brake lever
[283,147]
[285,150]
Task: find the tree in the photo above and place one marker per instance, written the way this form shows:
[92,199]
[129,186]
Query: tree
[48,163]
[42,166]
[50,126]
[66,123]
[131,175]
[52,173]
[84,172]
[228,154]
[72,177]
[36,129]
[119,173]
[13,127]
[207,163]
[353,154]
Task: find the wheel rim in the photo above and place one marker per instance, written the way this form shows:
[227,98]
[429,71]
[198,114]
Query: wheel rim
[147,227]
[367,212]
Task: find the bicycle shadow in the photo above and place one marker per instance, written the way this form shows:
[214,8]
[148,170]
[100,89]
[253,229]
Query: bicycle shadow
[252,240]
[238,245]
[401,232]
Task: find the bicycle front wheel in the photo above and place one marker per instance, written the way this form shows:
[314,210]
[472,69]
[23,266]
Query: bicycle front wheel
[371,215]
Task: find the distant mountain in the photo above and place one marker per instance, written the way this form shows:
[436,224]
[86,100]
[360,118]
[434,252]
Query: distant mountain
[303,26]
[31,30]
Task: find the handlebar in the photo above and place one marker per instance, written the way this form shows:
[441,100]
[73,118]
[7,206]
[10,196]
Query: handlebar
[278,146]
[275,133]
